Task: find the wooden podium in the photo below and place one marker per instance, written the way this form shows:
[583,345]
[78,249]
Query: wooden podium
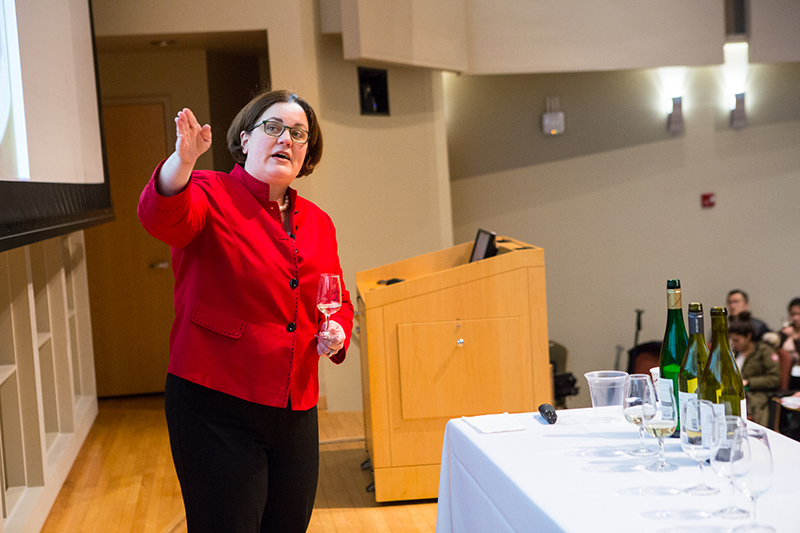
[453,339]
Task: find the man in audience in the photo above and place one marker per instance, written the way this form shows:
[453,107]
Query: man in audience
[738,302]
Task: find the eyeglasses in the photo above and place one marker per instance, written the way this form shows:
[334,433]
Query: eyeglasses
[276,129]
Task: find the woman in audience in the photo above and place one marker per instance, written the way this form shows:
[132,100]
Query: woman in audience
[790,334]
[759,365]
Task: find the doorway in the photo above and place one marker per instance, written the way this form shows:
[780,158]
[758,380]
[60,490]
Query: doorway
[130,279]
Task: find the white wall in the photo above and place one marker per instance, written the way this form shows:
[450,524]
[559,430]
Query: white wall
[525,36]
[773,34]
[411,32]
[615,201]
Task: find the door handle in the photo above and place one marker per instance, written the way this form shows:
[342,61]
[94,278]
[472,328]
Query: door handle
[160,264]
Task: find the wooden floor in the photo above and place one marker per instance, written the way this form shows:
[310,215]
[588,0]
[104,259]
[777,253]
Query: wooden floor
[123,479]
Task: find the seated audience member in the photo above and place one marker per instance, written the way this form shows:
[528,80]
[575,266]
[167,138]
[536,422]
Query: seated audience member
[790,341]
[738,301]
[790,334]
[759,365]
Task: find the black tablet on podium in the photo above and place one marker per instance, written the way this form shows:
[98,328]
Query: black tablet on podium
[484,246]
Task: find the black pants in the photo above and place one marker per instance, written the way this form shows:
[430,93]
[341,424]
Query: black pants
[242,467]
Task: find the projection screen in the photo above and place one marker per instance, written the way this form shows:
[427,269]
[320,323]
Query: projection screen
[54,179]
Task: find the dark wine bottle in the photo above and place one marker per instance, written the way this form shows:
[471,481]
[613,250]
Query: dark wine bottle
[673,350]
[721,383]
[696,356]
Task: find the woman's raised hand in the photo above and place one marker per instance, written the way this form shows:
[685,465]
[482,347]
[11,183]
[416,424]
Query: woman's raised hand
[193,140]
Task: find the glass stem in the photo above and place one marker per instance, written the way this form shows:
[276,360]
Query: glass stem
[662,461]
[700,464]
[753,516]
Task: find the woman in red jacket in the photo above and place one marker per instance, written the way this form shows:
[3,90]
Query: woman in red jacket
[247,254]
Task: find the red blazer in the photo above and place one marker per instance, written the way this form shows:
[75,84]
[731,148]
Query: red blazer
[245,290]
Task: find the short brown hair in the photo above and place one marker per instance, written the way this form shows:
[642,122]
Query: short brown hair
[248,116]
[739,291]
[742,325]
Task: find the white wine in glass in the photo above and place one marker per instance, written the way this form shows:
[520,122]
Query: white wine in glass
[659,423]
[636,388]
[329,296]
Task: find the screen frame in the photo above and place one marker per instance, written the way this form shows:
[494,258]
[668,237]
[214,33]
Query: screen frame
[484,247]
[34,211]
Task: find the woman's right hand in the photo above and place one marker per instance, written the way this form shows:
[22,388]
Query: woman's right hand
[193,140]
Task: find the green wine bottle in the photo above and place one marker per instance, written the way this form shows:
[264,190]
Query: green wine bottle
[696,356]
[721,383]
[673,350]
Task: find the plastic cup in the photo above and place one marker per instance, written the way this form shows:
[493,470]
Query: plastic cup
[607,389]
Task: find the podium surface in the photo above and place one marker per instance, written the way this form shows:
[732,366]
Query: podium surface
[452,339]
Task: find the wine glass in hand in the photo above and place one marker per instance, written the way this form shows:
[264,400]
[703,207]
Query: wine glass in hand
[636,388]
[753,474]
[659,425]
[329,296]
[697,426]
[726,452]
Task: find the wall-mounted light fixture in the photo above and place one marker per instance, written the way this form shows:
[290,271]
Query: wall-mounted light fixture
[735,71]
[553,120]
[672,82]
[675,118]
[738,117]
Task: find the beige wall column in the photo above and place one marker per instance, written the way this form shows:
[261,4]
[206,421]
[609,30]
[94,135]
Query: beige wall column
[444,209]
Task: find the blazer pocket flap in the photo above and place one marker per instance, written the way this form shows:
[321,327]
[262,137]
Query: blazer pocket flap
[217,321]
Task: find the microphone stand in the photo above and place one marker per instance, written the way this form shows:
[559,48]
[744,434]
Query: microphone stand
[638,327]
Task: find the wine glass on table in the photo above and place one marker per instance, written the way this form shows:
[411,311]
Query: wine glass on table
[329,296]
[726,451]
[753,474]
[636,389]
[658,424]
[697,427]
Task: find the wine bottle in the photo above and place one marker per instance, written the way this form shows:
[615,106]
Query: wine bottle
[673,350]
[721,383]
[696,356]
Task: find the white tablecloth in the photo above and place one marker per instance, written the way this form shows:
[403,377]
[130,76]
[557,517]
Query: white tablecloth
[574,477]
